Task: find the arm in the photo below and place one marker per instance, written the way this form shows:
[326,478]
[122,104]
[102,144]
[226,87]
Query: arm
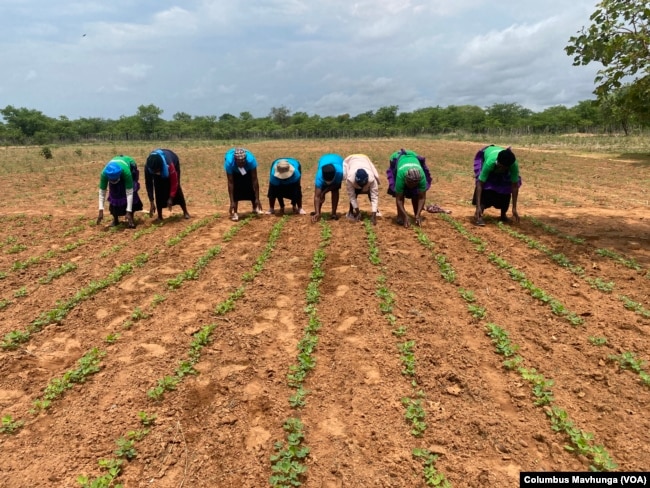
[231,192]
[515,195]
[422,198]
[479,192]
[173,181]
[335,203]
[148,182]
[351,195]
[256,189]
[399,198]
[319,196]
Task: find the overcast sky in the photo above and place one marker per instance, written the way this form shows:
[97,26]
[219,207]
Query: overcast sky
[329,57]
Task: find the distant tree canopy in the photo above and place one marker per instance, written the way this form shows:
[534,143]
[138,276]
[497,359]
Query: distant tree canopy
[617,112]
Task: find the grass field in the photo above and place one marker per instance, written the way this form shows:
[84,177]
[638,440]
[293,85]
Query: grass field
[204,353]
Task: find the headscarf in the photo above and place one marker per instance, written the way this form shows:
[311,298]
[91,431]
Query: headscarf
[361,177]
[112,171]
[413,175]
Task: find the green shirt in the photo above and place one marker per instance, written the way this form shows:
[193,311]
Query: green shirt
[490,162]
[127,178]
[406,162]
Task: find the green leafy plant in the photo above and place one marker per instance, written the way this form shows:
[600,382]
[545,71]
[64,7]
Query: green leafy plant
[112,338]
[598,341]
[9,425]
[87,365]
[600,285]
[288,462]
[431,476]
[146,419]
[415,414]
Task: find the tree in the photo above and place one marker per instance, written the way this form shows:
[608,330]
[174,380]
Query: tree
[387,116]
[618,38]
[280,115]
[27,121]
[149,117]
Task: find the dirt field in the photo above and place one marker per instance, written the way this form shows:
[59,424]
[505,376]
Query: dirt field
[175,354]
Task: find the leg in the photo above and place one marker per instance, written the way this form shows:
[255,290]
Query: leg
[271,209]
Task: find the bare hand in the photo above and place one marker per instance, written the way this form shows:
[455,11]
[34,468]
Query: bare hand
[315,218]
[169,204]
[152,209]
[129,219]
[418,221]
[100,217]
[515,215]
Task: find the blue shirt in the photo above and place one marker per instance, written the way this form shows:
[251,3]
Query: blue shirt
[288,181]
[231,167]
[335,160]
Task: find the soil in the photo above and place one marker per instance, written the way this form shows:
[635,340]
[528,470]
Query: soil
[219,427]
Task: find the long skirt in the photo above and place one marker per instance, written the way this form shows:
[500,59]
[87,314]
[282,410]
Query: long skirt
[117,195]
[292,192]
[161,187]
[243,187]
[492,198]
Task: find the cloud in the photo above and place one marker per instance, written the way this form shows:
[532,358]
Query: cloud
[328,57]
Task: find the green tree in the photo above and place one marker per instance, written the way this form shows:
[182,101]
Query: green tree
[618,38]
[26,121]
[280,115]
[149,117]
[387,116]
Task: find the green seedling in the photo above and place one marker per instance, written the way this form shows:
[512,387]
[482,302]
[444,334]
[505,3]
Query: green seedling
[431,476]
[415,414]
[598,341]
[146,419]
[21,292]
[600,285]
[9,425]
[467,295]
[112,338]
[288,464]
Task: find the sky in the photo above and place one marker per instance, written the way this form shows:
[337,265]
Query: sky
[104,59]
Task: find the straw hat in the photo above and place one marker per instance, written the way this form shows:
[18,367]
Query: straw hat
[283,170]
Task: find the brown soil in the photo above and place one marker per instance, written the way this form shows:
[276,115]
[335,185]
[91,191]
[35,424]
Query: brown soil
[218,428]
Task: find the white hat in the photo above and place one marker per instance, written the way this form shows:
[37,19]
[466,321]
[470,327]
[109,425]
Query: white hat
[283,170]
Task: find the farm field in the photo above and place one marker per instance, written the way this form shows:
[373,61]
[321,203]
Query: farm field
[208,353]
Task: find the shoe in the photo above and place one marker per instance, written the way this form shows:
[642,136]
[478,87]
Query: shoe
[379,214]
[504,219]
[480,222]
[302,212]
[349,216]
[234,217]
[270,211]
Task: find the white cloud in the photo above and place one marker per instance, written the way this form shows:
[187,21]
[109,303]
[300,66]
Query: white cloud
[328,57]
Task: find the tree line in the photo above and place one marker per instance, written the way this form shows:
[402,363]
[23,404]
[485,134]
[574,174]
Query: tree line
[29,126]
